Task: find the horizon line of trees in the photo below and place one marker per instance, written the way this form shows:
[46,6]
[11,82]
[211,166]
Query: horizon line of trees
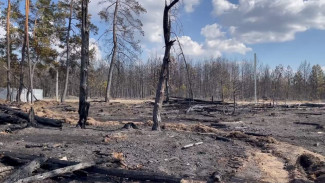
[218,78]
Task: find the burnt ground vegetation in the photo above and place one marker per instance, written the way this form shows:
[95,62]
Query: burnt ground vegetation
[200,141]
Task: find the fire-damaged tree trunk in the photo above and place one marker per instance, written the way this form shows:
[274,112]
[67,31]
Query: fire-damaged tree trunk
[83,104]
[164,67]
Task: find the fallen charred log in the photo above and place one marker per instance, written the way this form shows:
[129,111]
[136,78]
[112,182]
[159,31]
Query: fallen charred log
[318,126]
[60,167]
[13,114]
[26,170]
[193,101]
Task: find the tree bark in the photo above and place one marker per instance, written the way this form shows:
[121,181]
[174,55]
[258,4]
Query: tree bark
[161,87]
[167,83]
[110,72]
[28,57]
[56,172]
[39,120]
[8,54]
[187,70]
[26,170]
[83,95]
[21,77]
[64,94]
[57,85]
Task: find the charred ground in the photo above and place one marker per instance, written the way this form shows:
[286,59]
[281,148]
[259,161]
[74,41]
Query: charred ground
[256,144]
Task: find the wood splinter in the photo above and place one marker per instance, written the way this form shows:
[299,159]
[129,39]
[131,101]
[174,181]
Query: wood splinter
[191,145]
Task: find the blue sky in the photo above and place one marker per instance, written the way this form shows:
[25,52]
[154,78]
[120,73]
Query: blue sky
[280,31]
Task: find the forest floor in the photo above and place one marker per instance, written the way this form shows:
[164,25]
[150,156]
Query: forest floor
[256,144]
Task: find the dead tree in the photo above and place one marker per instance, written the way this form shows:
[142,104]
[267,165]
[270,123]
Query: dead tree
[83,104]
[161,87]
[187,69]
[8,53]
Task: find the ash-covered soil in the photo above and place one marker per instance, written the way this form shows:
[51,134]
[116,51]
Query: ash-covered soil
[256,144]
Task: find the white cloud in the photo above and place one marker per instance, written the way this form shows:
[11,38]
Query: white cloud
[212,31]
[222,6]
[94,45]
[152,20]
[227,45]
[190,4]
[323,68]
[261,21]
[191,47]
[2,32]
[215,39]
[214,45]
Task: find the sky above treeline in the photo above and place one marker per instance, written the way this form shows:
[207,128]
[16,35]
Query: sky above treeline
[283,32]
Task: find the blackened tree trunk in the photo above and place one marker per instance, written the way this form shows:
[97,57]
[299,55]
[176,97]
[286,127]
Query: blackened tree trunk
[110,72]
[166,60]
[64,94]
[8,54]
[83,104]
[167,83]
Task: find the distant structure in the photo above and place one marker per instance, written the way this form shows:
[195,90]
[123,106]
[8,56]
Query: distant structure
[38,93]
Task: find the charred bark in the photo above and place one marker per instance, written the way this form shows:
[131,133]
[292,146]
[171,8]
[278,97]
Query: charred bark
[161,88]
[24,116]
[83,95]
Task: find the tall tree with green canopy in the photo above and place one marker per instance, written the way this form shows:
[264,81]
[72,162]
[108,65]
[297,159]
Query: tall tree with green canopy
[124,26]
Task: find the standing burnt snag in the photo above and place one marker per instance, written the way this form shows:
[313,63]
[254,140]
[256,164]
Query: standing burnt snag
[83,95]
[83,114]
[163,74]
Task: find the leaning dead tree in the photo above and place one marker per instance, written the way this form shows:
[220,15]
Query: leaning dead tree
[163,75]
[83,104]
[187,68]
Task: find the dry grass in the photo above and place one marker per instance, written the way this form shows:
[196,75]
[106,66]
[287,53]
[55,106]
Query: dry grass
[191,128]
[115,137]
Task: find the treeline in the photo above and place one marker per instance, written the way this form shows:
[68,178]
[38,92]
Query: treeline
[218,78]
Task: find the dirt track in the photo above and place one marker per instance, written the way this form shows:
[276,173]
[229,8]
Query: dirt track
[268,151]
